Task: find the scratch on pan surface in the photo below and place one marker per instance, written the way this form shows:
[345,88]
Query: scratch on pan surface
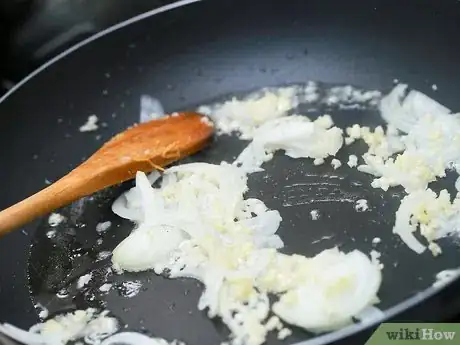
[299,194]
[324,238]
[311,184]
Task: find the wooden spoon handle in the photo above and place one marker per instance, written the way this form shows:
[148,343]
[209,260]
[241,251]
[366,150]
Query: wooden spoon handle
[41,203]
[141,148]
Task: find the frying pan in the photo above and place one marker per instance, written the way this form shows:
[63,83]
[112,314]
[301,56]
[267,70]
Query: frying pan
[191,53]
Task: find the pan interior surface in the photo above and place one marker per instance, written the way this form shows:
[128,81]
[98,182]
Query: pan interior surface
[367,43]
[62,256]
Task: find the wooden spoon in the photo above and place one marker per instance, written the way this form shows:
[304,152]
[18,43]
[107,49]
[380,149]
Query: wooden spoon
[144,147]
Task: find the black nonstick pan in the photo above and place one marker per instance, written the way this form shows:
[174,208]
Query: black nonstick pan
[192,53]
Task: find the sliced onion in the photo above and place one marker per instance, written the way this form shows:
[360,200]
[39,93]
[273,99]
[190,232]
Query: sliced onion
[151,108]
[25,337]
[150,203]
[121,208]
[153,176]
[403,113]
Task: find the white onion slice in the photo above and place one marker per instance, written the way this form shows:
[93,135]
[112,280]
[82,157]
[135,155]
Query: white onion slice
[150,202]
[151,108]
[25,337]
[296,135]
[153,176]
[340,287]
[403,113]
[122,208]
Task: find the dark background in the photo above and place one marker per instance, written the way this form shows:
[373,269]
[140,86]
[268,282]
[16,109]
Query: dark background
[33,31]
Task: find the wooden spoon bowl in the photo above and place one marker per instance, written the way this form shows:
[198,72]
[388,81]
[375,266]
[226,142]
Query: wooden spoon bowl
[145,147]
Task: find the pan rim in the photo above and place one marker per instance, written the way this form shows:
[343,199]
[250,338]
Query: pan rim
[319,340]
[139,17]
